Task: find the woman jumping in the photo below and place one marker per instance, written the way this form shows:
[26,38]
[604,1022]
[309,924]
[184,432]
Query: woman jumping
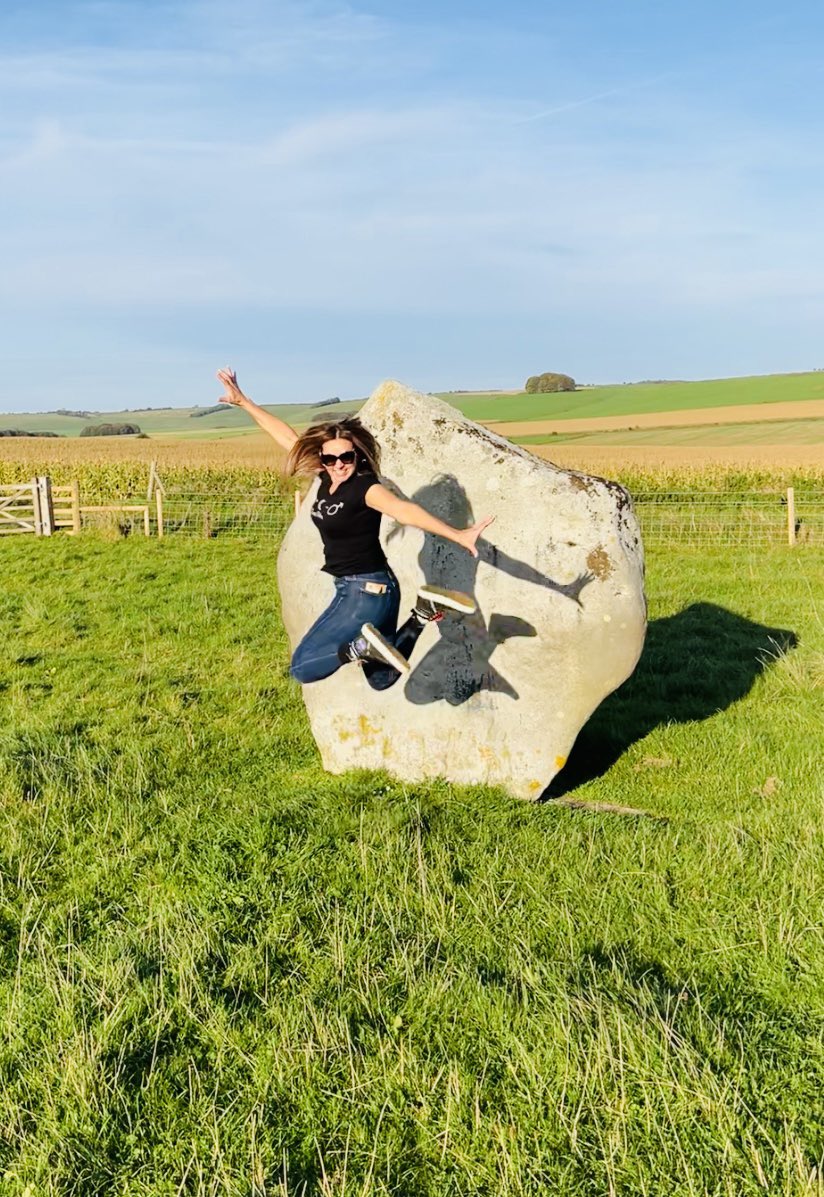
[360,624]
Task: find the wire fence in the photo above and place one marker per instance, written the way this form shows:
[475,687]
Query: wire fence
[725,518]
[698,518]
[211,515]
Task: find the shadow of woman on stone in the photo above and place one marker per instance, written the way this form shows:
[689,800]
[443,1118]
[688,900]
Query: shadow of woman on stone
[459,664]
[694,665]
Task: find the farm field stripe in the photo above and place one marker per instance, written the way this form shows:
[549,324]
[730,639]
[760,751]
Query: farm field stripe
[758,413]
[602,402]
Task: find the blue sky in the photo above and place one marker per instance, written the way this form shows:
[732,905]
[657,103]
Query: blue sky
[458,195]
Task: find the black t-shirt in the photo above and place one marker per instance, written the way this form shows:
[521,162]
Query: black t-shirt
[348,528]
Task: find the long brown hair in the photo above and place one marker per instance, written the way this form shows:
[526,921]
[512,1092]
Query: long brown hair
[304,456]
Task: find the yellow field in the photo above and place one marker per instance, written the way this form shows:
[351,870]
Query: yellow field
[254,449]
[258,452]
[255,452]
[604,459]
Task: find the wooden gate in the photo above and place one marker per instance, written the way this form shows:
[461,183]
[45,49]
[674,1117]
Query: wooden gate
[43,509]
[29,507]
[18,508]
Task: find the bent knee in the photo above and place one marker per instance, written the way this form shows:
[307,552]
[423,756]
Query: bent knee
[299,671]
[304,671]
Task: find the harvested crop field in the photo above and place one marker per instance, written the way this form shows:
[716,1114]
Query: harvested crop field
[779,436]
[751,413]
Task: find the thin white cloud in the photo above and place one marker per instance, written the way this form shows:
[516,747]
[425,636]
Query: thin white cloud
[344,132]
[585,101]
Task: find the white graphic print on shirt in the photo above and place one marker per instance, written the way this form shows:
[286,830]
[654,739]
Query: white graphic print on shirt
[331,509]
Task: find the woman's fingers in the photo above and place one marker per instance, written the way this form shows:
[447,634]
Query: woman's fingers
[229,379]
[478,528]
[472,534]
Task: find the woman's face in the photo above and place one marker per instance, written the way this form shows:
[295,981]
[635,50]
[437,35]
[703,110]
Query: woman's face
[338,470]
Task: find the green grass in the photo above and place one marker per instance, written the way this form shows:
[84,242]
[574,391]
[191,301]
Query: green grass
[224,972]
[636,398]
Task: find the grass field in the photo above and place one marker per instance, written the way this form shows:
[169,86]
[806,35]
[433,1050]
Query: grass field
[590,402]
[750,425]
[178,423]
[227,973]
[637,398]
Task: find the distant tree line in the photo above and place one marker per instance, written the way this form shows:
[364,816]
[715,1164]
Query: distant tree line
[546,384]
[87,415]
[111,430]
[20,432]
[208,411]
[326,402]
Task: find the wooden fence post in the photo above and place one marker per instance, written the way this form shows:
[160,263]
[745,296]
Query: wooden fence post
[791,515]
[35,502]
[157,489]
[43,507]
[76,522]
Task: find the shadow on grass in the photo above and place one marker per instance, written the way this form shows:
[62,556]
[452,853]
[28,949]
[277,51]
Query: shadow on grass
[694,664]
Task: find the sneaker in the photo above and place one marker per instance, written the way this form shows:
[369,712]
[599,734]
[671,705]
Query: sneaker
[370,645]
[433,602]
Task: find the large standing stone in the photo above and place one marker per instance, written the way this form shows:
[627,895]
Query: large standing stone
[498,697]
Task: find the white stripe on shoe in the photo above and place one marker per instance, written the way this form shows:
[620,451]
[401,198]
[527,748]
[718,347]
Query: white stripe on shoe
[386,651]
[455,600]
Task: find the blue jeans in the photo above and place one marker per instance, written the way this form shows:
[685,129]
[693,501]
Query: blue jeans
[316,656]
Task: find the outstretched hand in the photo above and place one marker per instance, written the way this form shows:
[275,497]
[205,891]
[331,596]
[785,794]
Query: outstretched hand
[469,536]
[232,392]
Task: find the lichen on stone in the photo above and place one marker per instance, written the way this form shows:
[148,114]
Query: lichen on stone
[599,563]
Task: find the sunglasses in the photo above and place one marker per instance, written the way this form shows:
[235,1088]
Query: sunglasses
[329,459]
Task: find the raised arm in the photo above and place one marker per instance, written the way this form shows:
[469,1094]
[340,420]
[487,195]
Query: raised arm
[278,429]
[415,516]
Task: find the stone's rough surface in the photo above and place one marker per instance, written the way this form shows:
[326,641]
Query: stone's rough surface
[497,697]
